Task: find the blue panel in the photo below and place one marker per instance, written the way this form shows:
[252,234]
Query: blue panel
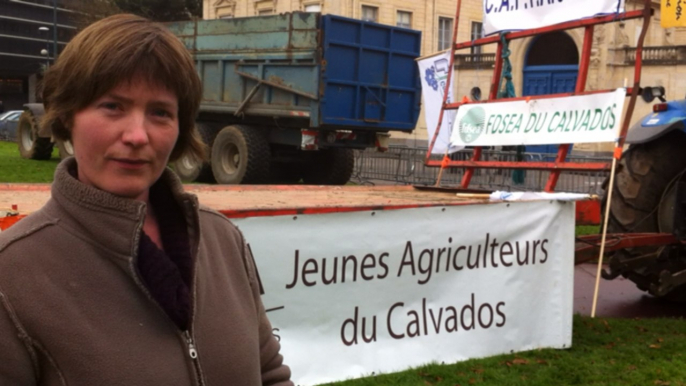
[373,67]
[376,36]
[405,41]
[371,79]
[541,80]
[564,81]
[536,84]
[340,92]
[402,104]
[345,65]
[345,31]
[399,69]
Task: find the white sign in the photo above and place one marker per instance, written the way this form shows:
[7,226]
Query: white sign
[434,74]
[586,118]
[509,15]
[353,293]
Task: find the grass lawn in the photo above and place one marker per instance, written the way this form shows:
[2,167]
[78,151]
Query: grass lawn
[604,352]
[13,168]
[582,230]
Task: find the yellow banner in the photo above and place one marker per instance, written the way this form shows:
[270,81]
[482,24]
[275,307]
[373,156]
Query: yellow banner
[673,13]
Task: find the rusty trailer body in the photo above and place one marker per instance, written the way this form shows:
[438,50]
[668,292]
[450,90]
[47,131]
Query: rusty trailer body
[288,97]
[307,70]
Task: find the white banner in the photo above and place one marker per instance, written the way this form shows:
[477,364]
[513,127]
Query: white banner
[434,74]
[349,294]
[586,118]
[510,15]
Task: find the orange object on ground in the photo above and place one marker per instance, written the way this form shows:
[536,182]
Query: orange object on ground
[588,212]
[6,222]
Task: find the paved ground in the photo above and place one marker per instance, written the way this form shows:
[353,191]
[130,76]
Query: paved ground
[618,298]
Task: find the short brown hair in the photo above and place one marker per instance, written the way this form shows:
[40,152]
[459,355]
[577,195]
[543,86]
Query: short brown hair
[119,49]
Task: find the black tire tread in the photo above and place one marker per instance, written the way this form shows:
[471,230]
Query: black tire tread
[641,178]
[333,166]
[62,149]
[254,141]
[208,132]
[42,147]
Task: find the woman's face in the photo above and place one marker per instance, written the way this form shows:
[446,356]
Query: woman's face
[122,141]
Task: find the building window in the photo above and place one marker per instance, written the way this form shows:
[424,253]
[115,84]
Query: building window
[477,33]
[225,9]
[265,7]
[370,13]
[313,8]
[404,19]
[445,33]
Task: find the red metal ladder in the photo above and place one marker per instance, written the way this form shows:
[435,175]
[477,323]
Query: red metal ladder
[559,165]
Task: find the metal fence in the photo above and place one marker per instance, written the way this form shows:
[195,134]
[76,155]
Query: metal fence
[405,166]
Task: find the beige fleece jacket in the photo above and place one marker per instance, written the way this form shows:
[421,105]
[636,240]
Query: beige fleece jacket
[73,309]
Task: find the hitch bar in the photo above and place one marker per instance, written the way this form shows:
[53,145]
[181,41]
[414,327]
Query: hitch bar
[587,247]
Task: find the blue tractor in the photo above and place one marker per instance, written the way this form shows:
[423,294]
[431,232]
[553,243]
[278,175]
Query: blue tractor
[649,196]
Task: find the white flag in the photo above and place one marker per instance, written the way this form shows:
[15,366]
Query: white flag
[433,72]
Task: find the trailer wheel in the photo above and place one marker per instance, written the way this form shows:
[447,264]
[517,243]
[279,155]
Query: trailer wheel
[190,170]
[333,166]
[240,155]
[31,146]
[643,201]
[65,148]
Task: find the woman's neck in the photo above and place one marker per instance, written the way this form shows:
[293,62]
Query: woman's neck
[152,228]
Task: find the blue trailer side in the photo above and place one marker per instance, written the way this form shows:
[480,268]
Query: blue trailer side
[307,86]
[370,78]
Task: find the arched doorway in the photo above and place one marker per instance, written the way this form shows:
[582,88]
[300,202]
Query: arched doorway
[551,65]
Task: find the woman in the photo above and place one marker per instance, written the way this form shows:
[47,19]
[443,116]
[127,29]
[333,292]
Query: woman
[122,278]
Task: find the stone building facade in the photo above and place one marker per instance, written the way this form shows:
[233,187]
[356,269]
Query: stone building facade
[611,64]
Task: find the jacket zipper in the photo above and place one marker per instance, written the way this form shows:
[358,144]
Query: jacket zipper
[186,335]
[191,347]
[193,353]
[194,237]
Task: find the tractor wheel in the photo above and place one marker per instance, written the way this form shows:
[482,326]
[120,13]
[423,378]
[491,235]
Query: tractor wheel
[66,148]
[31,146]
[190,170]
[643,200]
[333,166]
[240,155]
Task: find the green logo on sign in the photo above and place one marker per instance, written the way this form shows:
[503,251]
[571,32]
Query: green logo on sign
[472,124]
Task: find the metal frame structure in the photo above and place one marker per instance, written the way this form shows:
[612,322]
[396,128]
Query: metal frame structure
[559,164]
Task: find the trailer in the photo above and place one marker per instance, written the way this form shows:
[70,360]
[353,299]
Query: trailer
[287,97]
[358,280]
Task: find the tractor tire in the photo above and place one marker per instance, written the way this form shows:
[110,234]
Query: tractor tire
[190,170]
[645,180]
[65,148]
[240,155]
[31,146]
[333,166]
